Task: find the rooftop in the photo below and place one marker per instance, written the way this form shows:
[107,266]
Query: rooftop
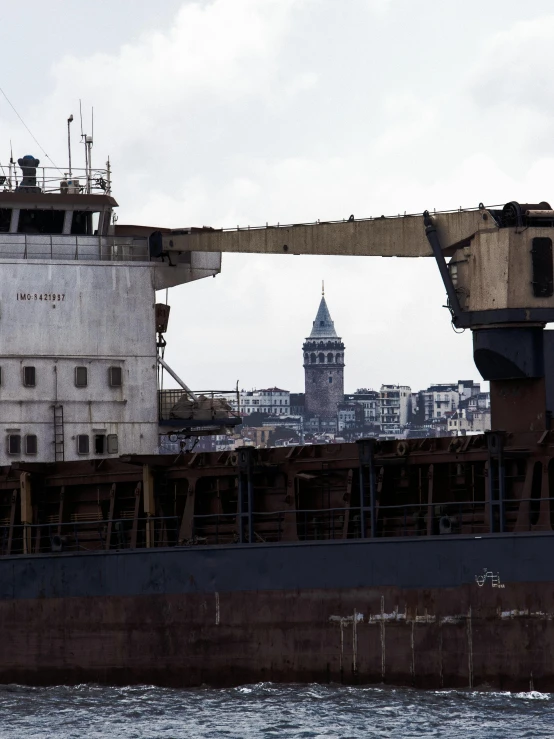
[323,326]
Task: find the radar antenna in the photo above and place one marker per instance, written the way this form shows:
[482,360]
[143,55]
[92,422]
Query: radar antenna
[87,140]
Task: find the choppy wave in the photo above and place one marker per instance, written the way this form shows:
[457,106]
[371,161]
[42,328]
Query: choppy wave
[270,710]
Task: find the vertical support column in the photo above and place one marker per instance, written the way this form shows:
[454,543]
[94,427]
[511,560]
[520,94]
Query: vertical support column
[366,454]
[15,493]
[26,510]
[60,510]
[290,528]
[110,517]
[246,494]
[347,497]
[134,530]
[430,516]
[495,445]
[186,530]
[149,503]
[501,484]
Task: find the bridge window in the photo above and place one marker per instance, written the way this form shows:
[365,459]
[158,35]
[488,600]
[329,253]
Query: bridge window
[5,219]
[81,225]
[38,221]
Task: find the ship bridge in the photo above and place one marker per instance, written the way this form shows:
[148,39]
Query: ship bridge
[78,349]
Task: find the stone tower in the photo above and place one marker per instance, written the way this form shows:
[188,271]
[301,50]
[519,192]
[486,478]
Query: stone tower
[323,366]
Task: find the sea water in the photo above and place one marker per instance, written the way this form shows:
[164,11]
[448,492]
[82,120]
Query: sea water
[272,711]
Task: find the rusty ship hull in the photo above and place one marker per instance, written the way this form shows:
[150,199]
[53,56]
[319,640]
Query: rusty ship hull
[400,611]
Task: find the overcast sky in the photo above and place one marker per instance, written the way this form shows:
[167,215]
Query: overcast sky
[227,112]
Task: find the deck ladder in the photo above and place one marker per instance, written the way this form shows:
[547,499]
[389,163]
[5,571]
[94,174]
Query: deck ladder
[59,454]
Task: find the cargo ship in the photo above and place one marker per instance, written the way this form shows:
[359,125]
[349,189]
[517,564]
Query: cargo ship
[423,562]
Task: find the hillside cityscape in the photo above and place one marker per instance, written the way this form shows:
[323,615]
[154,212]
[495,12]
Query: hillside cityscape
[324,413]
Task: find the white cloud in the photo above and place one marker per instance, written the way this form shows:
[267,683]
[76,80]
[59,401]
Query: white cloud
[515,66]
[221,49]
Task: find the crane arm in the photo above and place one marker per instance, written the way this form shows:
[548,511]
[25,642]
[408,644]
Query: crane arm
[402,236]
[499,282]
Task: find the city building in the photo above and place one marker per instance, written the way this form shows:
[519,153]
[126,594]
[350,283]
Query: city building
[395,405]
[437,401]
[369,400]
[350,417]
[465,422]
[295,423]
[297,404]
[273,401]
[468,388]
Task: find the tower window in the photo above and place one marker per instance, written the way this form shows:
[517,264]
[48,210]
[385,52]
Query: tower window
[29,376]
[81,377]
[31,445]
[330,380]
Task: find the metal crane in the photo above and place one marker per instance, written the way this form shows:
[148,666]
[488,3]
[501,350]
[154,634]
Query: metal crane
[496,265]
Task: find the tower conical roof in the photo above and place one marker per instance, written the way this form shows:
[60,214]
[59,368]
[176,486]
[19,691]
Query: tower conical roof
[323,327]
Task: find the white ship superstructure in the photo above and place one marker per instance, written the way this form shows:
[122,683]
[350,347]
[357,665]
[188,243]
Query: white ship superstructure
[78,375]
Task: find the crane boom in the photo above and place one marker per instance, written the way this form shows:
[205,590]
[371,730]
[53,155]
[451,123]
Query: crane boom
[399,236]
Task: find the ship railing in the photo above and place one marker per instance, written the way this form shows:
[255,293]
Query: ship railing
[53,180]
[414,519]
[435,519]
[316,524]
[93,535]
[70,247]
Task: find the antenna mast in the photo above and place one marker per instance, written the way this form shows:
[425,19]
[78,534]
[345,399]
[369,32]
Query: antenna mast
[88,142]
[69,122]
